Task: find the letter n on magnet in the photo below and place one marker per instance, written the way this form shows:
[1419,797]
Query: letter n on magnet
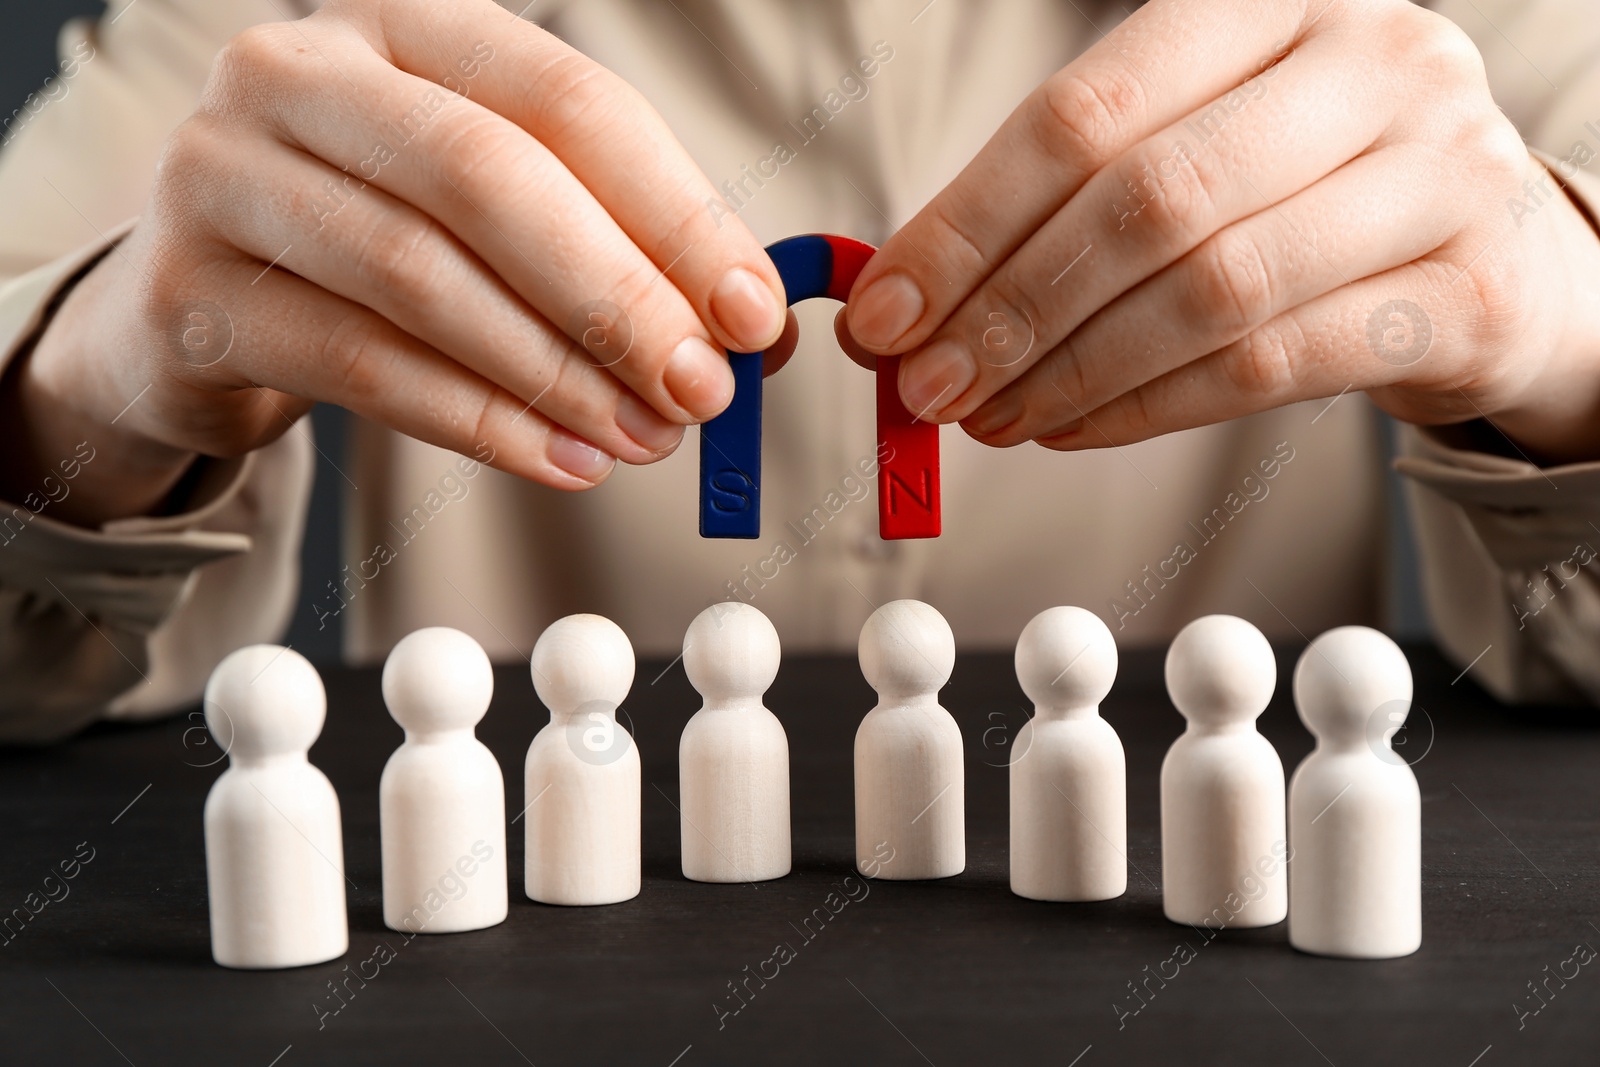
[908,477]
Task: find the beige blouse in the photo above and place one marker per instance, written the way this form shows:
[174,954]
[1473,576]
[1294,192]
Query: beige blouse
[1277,518]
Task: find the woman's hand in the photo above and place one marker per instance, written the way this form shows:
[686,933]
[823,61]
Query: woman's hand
[1229,205]
[434,214]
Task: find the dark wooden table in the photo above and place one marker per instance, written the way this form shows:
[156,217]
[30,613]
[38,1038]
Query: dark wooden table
[117,968]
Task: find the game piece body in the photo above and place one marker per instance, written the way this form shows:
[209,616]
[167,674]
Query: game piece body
[910,791]
[1223,843]
[733,758]
[1355,812]
[817,265]
[582,773]
[442,798]
[1068,773]
[274,851]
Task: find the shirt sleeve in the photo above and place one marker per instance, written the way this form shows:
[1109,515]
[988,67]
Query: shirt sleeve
[1505,545]
[125,621]
[1506,548]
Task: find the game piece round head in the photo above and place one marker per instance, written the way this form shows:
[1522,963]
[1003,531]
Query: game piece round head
[1345,678]
[265,700]
[581,659]
[437,679]
[1066,658]
[1220,671]
[731,652]
[906,649]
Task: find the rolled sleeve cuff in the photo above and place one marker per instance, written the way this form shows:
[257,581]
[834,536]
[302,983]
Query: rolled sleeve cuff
[79,606]
[130,572]
[1506,549]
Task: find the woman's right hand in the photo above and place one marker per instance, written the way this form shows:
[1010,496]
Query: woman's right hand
[436,215]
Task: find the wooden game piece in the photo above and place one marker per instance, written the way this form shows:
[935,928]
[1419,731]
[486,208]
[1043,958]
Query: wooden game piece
[817,265]
[1355,813]
[733,759]
[582,774]
[274,851]
[1223,845]
[910,792]
[1069,800]
[442,798]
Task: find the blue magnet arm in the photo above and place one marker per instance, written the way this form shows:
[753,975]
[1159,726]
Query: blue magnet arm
[730,444]
[730,457]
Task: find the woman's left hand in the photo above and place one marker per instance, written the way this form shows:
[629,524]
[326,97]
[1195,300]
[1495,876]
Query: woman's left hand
[1223,207]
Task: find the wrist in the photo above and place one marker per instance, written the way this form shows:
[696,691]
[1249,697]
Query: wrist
[69,451]
[1556,419]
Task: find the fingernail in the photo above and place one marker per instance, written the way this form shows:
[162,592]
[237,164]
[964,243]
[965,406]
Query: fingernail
[933,380]
[995,415]
[650,431]
[698,378]
[889,307]
[578,457]
[747,309]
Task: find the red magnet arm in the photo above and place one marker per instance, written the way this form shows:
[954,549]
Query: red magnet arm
[908,448]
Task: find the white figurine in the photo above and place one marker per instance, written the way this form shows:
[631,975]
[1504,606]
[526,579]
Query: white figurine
[1355,813]
[582,780]
[1223,847]
[274,852]
[1069,798]
[733,759]
[910,795]
[442,798]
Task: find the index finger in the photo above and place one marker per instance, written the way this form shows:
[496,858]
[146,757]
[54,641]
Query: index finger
[1164,61]
[611,139]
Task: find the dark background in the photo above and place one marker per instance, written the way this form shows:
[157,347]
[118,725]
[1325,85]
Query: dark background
[27,58]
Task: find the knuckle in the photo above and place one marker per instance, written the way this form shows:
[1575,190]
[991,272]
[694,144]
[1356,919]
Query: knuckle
[1089,118]
[185,163]
[1179,206]
[684,224]
[1498,298]
[1008,333]
[172,291]
[1069,379]
[957,245]
[186,149]
[574,97]
[475,148]
[167,272]
[1135,419]
[561,358]
[497,403]
[1232,284]
[350,355]
[1261,365]
[1433,43]
[262,58]
[389,260]
[633,289]
[1496,146]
